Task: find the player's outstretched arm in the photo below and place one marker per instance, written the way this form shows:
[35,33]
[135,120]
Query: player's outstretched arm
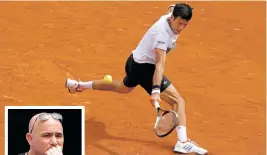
[158,74]
[160,64]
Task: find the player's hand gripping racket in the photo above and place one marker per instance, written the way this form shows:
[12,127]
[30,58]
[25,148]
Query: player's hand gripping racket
[166,121]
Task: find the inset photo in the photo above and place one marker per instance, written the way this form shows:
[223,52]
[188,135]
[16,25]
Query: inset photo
[44,130]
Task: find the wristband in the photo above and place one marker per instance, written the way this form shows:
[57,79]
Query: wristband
[156,86]
[155,91]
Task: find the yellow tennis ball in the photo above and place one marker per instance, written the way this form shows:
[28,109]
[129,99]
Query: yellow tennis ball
[108,79]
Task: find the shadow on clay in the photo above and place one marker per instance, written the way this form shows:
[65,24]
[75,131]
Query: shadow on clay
[96,131]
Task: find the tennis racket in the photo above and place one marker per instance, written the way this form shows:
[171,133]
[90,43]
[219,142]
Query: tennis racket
[166,121]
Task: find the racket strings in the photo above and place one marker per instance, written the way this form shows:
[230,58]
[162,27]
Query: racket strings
[166,123]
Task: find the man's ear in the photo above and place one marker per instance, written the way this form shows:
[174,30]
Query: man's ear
[29,138]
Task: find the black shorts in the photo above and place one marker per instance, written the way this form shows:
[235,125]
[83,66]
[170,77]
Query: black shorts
[142,74]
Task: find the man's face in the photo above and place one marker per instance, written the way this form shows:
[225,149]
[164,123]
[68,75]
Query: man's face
[47,134]
[178,24]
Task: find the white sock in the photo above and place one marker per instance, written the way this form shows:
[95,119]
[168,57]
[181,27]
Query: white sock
[181,133]
[87,85]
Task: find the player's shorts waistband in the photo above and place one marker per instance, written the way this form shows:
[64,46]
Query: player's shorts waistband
[141,61]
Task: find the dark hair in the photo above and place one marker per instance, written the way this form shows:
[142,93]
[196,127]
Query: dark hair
[182,10]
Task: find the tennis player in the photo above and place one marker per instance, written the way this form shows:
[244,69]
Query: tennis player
[145,67]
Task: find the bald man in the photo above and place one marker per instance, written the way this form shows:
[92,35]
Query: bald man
[45,135]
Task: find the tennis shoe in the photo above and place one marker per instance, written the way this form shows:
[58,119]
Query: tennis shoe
[72,85]
[189,147]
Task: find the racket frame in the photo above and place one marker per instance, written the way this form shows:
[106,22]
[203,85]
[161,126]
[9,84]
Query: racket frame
[157,106]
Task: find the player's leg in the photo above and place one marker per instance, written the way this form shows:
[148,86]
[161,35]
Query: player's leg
[126,86]
[170,95]
[101,85]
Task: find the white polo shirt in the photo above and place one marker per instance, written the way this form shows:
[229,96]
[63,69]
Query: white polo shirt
[159,36]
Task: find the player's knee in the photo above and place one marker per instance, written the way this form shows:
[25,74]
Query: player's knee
[174,97]
[179,100]
[180,104]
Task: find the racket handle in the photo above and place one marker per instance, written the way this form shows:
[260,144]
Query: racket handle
[156,104]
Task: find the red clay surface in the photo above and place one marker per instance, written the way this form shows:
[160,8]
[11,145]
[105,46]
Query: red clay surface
[218,67]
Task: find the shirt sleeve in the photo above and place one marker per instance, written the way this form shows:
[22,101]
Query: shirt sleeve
[161,41]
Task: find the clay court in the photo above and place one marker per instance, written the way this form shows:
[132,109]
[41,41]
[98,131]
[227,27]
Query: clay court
[218,67]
